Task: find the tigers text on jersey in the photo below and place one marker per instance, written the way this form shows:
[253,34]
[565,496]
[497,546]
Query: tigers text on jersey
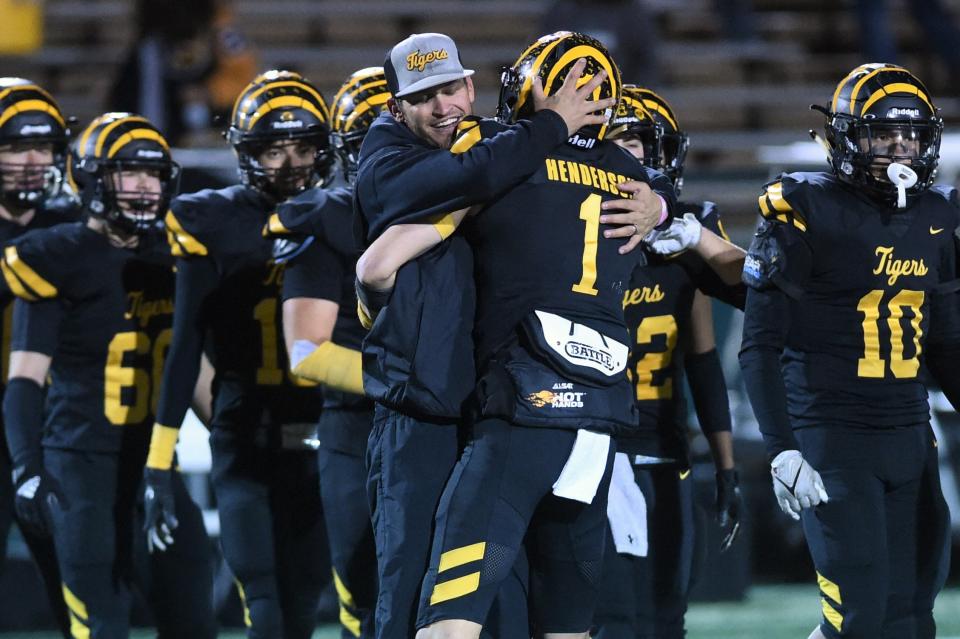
[865,276]
[111,311]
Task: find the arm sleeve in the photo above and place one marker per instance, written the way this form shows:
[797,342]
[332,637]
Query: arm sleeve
[414,184]
[709,390]
[36,326]
[196,279]
[764,334]
[317,273]
[943,343]
[662,186]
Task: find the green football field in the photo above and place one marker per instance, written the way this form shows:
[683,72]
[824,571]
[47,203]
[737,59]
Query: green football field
[771,612]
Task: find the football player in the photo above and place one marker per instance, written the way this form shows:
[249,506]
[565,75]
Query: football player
[91,323]
[418,358]
[228,303]
[552,353]
[323,337]
[33,149]
[649,558]
[852,277]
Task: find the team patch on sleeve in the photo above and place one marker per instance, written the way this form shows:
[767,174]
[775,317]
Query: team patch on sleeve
[24,281]
[774,206]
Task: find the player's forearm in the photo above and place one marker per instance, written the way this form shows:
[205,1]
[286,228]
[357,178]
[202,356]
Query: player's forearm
[721,449]
[725,258]
[23,420]
[709,390]
[377,267]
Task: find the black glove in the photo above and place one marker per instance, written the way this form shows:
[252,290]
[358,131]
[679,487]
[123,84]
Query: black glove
[37,494]
[160,518]
[728,506]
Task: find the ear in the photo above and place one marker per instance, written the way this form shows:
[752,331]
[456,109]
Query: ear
[394,109]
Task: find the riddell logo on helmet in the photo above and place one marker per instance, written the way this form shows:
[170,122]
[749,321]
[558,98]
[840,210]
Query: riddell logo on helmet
[900,112]
[583,143]
[292,124]
[417,61]
[147,153]
[35,129]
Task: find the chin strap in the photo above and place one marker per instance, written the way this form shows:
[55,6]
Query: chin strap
[903,177]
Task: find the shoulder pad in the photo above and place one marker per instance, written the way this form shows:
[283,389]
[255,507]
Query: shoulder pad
[182,242]
[309,213]
[778,257]
[34,266]
[947,192]
[471,130]
[782,201]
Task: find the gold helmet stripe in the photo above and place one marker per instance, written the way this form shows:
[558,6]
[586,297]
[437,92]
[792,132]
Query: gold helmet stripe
[105,132]
[896,87]
[294,101]
[863,80]
[370,85]
[656,107]
[363,107]
[137,134]
[583,51]
[527,88]
[353,81]
[30,105]
[275,85]
[27,87]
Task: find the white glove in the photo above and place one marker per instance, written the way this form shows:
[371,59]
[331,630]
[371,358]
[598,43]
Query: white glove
[682,234]
[796,484]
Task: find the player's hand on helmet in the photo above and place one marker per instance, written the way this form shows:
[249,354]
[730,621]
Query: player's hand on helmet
[575,105]
[682,234]
[635,217]
[728,506]
[37,494]
[160,518]
[796,483]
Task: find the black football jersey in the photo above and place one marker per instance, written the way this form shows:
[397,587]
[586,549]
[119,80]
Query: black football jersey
[657,307]
[217,235]
[8,232]
[863,277]
[104,315]
[541,246]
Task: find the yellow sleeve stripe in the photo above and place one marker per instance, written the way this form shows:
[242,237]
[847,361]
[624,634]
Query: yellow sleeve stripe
[461,556]
[445,226]
[723,231]
[467,139]
[347,619]
[831,614]
[335,366]
[181,242]
[77,607]
[274,226]
[774,206]
[366,319]
[23,280]
[829,588]
[455,588]
[163,441]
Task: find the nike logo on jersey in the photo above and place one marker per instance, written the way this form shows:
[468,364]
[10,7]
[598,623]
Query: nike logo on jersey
[934,231]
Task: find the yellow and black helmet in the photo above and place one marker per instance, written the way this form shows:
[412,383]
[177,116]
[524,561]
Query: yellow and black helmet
[881,113]
[669,143]
[355,106]
[29,117]
[116,143]
[275,106]
[551,58]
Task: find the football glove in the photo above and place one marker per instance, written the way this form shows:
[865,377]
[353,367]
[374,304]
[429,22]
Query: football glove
[728,506]
[37,494]
[682,234]
[796,484]
[159,508]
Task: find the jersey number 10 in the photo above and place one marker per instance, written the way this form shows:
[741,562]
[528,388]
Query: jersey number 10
[871,365]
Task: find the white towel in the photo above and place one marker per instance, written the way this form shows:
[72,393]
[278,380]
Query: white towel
[627,510]
[583,471]
[302,348]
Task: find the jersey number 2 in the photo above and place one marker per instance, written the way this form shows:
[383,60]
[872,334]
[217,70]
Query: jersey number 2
[871,365]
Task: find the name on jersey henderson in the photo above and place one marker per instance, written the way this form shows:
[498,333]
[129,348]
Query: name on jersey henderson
[570,172]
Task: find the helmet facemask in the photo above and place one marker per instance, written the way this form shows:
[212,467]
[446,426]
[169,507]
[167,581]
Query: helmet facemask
[285,181]
[347,147]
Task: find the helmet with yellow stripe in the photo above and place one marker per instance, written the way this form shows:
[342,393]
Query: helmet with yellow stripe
[881,113]
[355,106]
[281,106]
[667,142]
[33,145]
[125,173]
[551,58]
